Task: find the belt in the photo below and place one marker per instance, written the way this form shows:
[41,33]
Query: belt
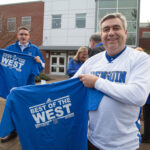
[91,146]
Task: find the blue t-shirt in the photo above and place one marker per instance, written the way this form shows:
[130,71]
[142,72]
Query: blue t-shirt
[15,69]
[51,116]
[31,50]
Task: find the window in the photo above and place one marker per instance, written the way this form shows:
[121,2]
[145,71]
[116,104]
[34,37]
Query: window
[80,20]
[129,8]
[127,3]
[131,38]
[130,14]
[131,26]
[11,24]
[146,34]
[107,3]
[0,24]
[56,21]
[26,21]
[103,12]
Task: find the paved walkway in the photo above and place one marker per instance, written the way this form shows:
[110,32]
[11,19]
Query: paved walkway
[57,78]
[15,144]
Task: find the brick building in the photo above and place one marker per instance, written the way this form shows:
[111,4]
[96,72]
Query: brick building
[67,26]
[28,14]
[144,37]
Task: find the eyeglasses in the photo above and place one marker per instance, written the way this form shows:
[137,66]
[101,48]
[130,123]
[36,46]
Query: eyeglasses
[23,34]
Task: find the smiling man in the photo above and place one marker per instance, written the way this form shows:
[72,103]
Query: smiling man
[122,74]
[114,35]
[23,45]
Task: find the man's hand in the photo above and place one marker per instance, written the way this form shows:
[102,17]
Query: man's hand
[37,59]
[88,80]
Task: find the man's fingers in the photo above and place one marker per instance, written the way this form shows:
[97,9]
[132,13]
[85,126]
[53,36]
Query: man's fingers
[37,59]
[80,76]
[88,80]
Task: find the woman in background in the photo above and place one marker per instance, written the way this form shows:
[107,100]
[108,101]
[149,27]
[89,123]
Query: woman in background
[77,61]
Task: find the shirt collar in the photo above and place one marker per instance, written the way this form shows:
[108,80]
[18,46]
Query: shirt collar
[111,58]
[23,44]
[99,44]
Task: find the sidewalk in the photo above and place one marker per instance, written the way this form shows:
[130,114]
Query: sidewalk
[57,78]
[15,144]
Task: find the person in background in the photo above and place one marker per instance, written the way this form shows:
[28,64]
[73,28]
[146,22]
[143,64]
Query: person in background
[146,115]
[95,45]
[77,61]
[139,49]
[23,45]
[123,75]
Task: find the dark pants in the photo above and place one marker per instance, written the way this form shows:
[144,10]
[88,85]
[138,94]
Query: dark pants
[91,146]
[146,114]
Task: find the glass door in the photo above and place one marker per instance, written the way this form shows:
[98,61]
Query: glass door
[58,65]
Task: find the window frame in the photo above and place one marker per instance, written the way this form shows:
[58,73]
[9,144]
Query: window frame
[10,20]
[55,18]
[25,19]
[146,34]
[78,18]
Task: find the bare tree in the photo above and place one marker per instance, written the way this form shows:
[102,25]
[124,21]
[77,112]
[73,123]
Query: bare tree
[6,37]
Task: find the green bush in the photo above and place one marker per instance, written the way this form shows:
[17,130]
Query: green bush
[42,76]
[147,51]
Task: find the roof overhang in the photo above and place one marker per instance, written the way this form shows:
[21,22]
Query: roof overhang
[65,48]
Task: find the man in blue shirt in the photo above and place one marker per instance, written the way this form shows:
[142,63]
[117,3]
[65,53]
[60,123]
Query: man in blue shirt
[23,45]
[15,70]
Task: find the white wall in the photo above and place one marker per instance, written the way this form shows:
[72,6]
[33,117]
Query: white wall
[68,34]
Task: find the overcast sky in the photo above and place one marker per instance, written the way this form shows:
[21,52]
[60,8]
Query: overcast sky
[144,9]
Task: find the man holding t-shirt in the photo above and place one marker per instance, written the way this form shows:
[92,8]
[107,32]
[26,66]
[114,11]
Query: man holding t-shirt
[23,45]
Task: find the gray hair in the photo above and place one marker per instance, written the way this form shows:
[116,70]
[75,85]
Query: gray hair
[96,37]
[115,15]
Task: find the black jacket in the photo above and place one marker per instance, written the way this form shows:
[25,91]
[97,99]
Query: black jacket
[96,50]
